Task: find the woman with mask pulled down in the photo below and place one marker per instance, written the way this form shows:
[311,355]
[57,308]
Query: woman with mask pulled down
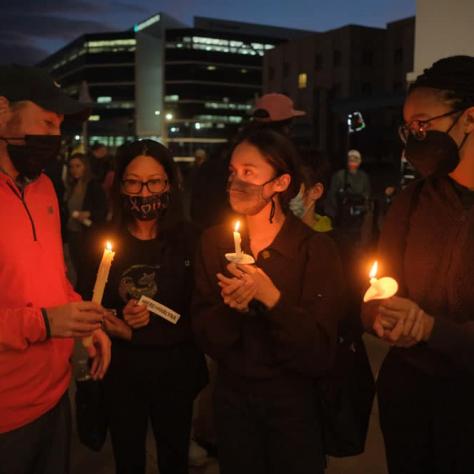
[270,326]
[426,384]
[157,369]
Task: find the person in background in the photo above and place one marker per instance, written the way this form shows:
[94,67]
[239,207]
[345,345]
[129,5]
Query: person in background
[275,111]
[86,204]
[426,383]
[156,369]
[314,172]
[271,326]
[349,194]
[99,161]
[40,314]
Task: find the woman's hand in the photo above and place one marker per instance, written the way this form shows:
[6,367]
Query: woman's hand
[265,291]
[116,327]
[405,323]
[237,292]
[136,315]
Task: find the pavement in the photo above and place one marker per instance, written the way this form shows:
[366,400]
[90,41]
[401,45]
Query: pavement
[372,461]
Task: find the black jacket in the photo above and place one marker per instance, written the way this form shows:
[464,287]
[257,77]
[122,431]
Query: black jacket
[427,244]
[298,335]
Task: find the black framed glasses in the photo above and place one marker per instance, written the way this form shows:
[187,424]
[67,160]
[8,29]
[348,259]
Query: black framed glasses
[418,128]
[135,186]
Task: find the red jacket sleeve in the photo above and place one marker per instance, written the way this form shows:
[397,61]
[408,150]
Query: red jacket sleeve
[20,328]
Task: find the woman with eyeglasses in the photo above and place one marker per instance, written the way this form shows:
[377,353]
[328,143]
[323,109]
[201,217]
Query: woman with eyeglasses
[156,369]
[271,326]
[426,384]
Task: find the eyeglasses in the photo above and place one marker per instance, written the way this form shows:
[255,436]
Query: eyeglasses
[135,186]
[418,128]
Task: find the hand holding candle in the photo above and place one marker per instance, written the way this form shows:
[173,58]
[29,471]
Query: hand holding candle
[238,256]
[380,289]
[100,282]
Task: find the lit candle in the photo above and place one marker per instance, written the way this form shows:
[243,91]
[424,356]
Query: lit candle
[237,239]
[380,289]
[101,280]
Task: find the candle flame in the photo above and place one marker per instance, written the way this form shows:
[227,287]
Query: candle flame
[108,245]
[237,226]
[374,270]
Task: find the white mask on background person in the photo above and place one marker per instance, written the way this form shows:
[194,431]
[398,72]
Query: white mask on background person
[297,205]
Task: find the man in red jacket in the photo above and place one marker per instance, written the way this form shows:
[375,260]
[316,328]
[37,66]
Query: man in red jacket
[39,311]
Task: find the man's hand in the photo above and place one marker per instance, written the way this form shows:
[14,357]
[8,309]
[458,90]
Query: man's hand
[100,353]
[136,315]
[77,319]
[116,327]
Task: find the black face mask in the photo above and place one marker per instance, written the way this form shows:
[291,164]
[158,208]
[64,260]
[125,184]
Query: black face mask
[437,154]
[32,157]
[146,208]
[252,195]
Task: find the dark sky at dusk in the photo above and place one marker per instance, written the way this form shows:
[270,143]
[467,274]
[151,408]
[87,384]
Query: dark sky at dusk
[32,29]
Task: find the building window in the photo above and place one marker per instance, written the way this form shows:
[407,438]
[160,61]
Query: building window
[398,56]
[336,58]
[302,80]
[220,45]
[367,58]
[318,61]
[286,69]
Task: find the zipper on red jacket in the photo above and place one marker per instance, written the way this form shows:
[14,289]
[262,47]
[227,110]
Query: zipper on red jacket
[21,197]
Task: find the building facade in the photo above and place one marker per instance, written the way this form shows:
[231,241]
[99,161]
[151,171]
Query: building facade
[190,87]
[338,72]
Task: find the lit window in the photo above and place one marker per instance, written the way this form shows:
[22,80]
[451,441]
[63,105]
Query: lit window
[104,99]
[94,118]
[302,80]
[171,98]
[211,68]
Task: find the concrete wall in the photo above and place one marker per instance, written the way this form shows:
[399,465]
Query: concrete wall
[443,28]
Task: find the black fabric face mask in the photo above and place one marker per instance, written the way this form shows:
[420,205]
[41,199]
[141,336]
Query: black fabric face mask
[32,157]
[146,208]
[437,154]
[252,195]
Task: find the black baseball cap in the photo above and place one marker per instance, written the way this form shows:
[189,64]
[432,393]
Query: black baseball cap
[35,84]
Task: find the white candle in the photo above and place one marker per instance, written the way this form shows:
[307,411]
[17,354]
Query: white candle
[101,280]
[237,239]
[380,288]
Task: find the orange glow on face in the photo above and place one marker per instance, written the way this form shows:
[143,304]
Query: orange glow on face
[108,246]
[237,226]
[374,270]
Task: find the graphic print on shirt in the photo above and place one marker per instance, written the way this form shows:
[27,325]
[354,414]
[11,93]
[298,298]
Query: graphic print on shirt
[137,281]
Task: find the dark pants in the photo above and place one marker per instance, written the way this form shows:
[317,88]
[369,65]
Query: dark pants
[131,402]
[40,447]
[427,421]
[267,427]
